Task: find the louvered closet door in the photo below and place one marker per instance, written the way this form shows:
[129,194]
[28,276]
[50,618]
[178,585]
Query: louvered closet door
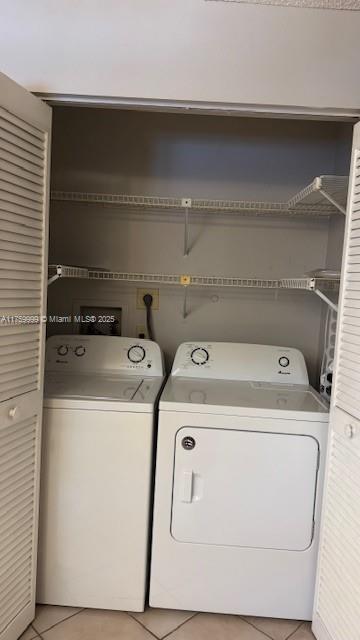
[337,602]
[24,158]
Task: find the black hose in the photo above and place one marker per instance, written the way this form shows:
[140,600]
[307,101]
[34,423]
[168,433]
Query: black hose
[148,300]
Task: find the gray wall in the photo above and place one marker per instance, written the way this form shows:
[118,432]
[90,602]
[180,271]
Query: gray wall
[185,155]
[189,50]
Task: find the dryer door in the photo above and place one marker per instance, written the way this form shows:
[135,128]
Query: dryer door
[244,488]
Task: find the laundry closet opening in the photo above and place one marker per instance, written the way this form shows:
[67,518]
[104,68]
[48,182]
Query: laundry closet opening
[259,163]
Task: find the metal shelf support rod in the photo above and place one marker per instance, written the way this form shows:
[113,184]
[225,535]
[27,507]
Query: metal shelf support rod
[52,279]
[332,201]
[186,204]
[326,299]
[185,312]
[56,275]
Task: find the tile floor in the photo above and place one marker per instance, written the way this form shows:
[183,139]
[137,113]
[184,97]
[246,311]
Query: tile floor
[66,623]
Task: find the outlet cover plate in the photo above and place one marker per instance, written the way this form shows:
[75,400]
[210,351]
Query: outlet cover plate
[139,298]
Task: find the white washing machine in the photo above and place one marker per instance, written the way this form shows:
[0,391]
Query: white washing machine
[239,475]
[99,411]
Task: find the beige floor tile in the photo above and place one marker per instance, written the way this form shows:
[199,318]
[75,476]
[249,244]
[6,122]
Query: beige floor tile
[29,634]
[162,621]
[217,627]
[47,615]
[93,624]
[304,633]
[274,627]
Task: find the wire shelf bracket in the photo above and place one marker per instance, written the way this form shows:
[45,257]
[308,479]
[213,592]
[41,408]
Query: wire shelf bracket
[314,286]
[324,189]
[186,204]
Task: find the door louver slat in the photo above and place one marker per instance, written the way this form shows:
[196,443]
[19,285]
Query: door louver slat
[17,140]
[12,179]
[14,586]
[19,228]
[10,118]
[353,312]
[9,539]
[21,239]
[16,352]
[18,366]
[14,162]
[7,147]
[16,554]
[352,372]
[11,207]
[16,475]
[17,388]
[20,246]
[23,220]
[28,255]
[12,197]
[339,572]
[8,189]
[30,263]
[13,168]
[16,537]
[347,390]
[9,343]
[22,168]
[22,135]
[337,601]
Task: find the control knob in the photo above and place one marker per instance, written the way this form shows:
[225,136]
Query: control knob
[62,350]
[199,356]
[80,350]
[136,354]
[284,361]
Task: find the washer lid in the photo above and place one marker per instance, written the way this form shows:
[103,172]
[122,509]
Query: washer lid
[91,387]
[237,398]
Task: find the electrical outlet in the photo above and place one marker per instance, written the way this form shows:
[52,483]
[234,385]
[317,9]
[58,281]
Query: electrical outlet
[139,298]
[141,331]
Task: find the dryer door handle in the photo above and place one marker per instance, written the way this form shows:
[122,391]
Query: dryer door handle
[187,486]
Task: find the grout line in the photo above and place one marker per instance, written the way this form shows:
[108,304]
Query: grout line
[142,625]
[167,635]
[57,623]
[295,630]
[37,635]
[255,627]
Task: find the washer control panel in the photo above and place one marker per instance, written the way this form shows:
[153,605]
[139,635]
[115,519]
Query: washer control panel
[238,361]
[103,354]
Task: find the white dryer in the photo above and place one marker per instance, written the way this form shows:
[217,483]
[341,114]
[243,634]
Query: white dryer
[239,475]
[98,430]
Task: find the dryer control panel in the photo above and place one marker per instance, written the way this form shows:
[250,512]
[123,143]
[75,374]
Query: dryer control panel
[238,361]
[103,354]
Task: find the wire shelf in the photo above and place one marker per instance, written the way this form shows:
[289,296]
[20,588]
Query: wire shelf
[64,271]
[295,283]
[155,278]
[317,285]
[324,189]
[236,207]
